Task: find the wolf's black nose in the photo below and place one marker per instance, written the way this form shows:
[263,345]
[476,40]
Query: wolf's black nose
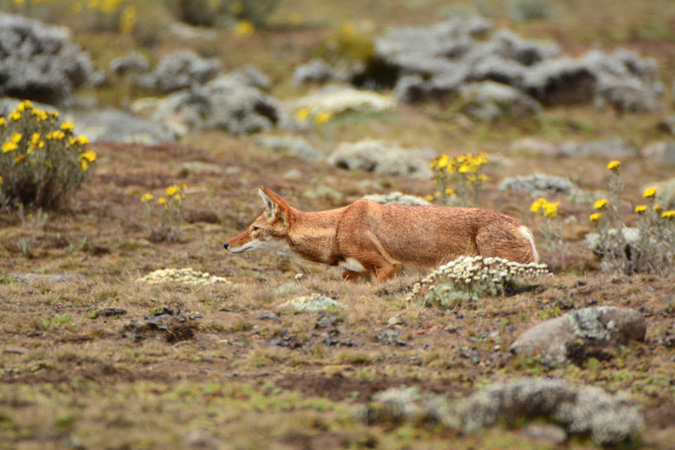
[226,245]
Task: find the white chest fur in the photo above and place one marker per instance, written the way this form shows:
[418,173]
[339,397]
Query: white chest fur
[352,264]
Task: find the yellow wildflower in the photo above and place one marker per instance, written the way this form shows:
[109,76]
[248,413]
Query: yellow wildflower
[551,209]
[595,217]
[441,161]
[538,204]
[640,209]
[177,197]
[56,135]
[449,191]
[16,137]
[67,126]
[19,158]
[15,115]
[128,19]
[657,208]
[9,147]
[171,190]
[40,114]
[347,28]
[600,204]
[666,214]
[183,186]
[84,165]
[322,118]
[2,121]
[649,192]
[613,165]
[302,114]
[89,155]
[147,198]
[244,28]
[24,105]
[429,198]
[161,201]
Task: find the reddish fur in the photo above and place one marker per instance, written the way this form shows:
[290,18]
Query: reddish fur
[385,238]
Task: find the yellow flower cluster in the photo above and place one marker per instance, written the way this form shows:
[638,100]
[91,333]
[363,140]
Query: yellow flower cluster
[545,208]
[595,217]
[467,163]
[175,192]
[38,122]
[304,114]
[640,209]
[600,204]
[39,151]
[670,214]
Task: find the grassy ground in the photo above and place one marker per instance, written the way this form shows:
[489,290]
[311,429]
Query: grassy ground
[232,375]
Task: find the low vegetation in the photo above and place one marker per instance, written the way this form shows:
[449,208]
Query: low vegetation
[124,322]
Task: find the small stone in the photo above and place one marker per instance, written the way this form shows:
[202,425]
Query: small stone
[548,433]
[107,312]
[15,349]
[268,316]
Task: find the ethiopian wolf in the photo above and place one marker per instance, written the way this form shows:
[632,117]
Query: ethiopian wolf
[367,239]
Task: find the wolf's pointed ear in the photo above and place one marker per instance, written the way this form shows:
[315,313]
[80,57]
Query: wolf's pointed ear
[277,208]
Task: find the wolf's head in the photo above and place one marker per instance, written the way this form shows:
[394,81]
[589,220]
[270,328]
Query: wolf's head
[269,230]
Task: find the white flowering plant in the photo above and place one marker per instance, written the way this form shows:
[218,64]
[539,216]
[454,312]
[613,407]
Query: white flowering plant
[472,277]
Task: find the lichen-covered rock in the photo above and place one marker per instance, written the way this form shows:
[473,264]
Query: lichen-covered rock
[38,61]
[225,103]
[181,70]
[314,71]
[338,99]
[662,152]
[294,146]
[313,302]
[558,340]
[131,63]
[113,125]
[382,157]
[42,278]
[427,62]
[665,195]
[252,76]
[397,198]
[488,101]
[609,418]
[533,147]
[668,124]
[539,183]
[610,149]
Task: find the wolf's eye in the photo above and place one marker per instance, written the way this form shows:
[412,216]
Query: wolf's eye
[255,228]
